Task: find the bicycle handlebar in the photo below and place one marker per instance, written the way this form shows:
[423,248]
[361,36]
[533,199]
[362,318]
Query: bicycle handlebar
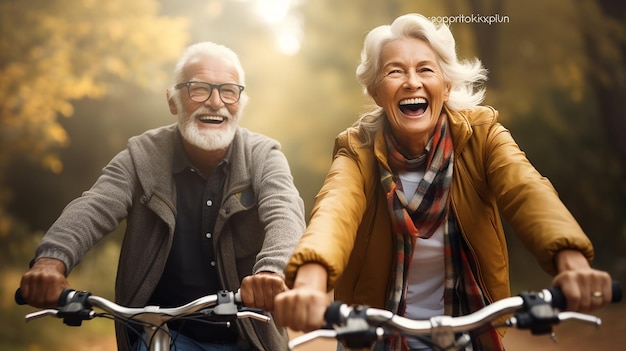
[360,326]
[76,306]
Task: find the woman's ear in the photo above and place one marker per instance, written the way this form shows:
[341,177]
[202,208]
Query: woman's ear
[171,102]
[446,93]
[374,94]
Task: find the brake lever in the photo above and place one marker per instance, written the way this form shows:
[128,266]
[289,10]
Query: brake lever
[254,315]
[40,314]
[308,337]
[581,317]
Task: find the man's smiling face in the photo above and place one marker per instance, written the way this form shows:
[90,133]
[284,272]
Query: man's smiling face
[209,125]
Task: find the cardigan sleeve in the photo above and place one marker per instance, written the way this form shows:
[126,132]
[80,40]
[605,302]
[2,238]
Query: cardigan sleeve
[281,211]
[92,216]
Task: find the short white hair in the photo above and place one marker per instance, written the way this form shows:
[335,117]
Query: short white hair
[207,48]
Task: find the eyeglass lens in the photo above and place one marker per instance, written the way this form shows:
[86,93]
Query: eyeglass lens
[200,92]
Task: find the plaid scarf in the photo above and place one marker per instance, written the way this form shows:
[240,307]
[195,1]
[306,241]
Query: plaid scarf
[462,293]
[426,211]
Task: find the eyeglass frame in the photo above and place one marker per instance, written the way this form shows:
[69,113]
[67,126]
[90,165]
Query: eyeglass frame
[213,87]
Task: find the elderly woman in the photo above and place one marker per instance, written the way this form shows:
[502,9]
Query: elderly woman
[408,218]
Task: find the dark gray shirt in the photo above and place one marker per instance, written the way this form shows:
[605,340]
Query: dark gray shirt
[190,271]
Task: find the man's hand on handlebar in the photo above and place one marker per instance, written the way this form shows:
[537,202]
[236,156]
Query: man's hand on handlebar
[43,284]
[259,290]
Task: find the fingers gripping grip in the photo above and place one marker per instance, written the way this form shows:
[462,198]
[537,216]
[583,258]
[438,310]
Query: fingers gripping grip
[20,300]
[558,299]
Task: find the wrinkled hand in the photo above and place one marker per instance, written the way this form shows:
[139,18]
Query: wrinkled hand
[43,284]
[259,290]
[585,289]
[301,309]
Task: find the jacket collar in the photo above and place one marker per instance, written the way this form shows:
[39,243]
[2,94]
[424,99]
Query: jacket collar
[155,157]
[380,150]
[460,128]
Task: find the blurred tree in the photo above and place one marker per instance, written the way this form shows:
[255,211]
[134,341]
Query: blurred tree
[52,54]
[55,52]
[604,39]
[604,43]
[317,93]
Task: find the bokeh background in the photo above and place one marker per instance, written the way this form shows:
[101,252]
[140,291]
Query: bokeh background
[79,77]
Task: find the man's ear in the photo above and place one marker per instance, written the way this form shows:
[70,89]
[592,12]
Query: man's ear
[171,102]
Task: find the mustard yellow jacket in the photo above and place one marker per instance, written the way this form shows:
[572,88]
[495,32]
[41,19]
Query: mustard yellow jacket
[350,228]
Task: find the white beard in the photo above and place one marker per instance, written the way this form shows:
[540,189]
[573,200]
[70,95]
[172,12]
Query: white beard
[207,139]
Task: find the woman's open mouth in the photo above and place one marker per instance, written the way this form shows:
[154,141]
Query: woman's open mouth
[413,106]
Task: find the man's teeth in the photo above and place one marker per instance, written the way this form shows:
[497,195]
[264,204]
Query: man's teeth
[413,101]
[212,119]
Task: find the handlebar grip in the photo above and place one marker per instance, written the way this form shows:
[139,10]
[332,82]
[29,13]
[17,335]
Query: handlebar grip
[19,298]
[332,316]
[558,299]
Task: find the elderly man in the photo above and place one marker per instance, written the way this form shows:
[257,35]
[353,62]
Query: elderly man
[208,206]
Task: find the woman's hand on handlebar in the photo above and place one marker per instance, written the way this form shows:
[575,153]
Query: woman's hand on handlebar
[303,307]
[585,289]
[43,284]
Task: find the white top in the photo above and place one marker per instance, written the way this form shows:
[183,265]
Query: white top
[424,298]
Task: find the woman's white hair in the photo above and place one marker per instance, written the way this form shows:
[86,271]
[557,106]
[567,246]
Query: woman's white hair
[207,48]
[463,76]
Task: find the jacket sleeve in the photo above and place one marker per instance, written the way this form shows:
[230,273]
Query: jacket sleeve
[93,215]
[335,217]
[530,203]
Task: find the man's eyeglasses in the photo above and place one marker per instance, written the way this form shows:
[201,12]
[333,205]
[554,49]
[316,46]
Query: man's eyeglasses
[201,91]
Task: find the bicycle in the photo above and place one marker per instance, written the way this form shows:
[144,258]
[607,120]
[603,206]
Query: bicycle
[358,327]
[78,306]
